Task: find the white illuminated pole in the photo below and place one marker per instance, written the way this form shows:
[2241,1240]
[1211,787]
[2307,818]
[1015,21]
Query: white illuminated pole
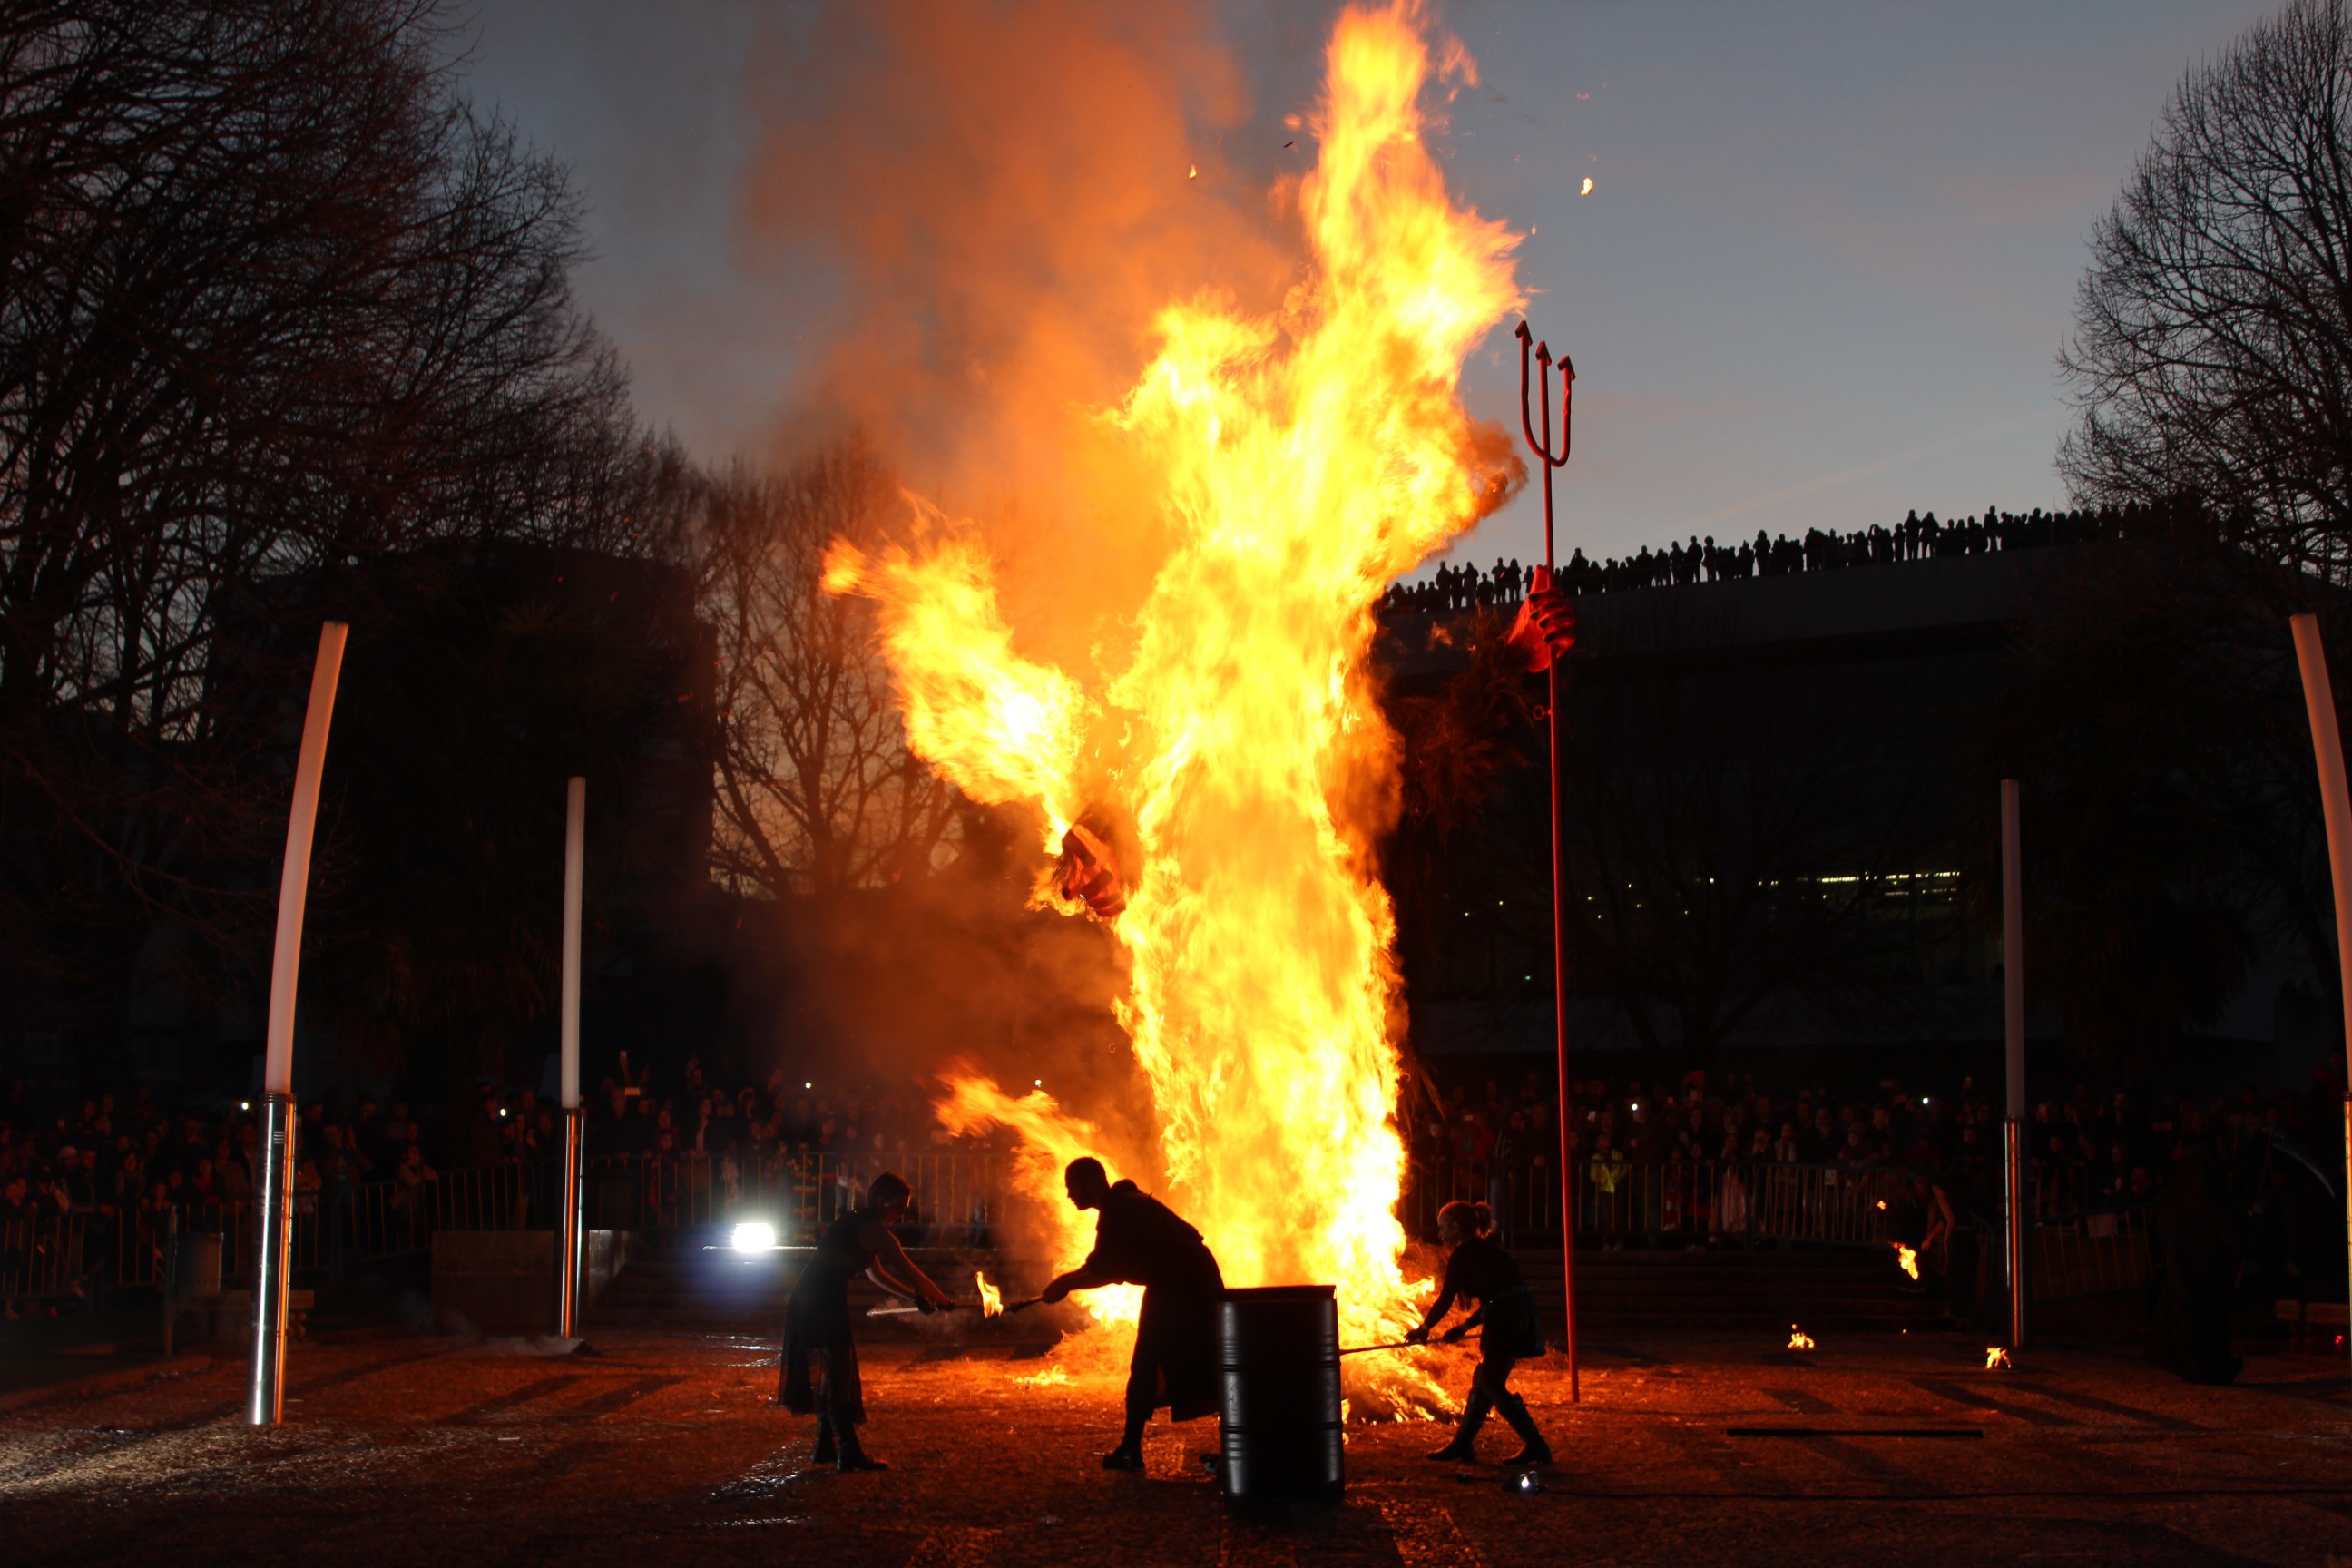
[273,1253]
[2012,986]
[570,1239]
[2327,748]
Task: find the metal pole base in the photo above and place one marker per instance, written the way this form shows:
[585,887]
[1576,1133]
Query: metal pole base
[571,1235]
[272,1261]
[2014,1160]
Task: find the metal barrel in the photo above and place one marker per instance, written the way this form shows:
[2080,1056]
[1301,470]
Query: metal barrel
[1278,1364]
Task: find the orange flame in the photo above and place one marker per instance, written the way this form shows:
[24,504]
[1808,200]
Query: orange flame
[992,1300]
[1996,1359]
[1799,1340]
[1049,1141]
[1907,1260]
[1304,462]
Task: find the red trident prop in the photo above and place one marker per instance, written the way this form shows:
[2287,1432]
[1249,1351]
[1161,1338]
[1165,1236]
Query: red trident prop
[1550,614]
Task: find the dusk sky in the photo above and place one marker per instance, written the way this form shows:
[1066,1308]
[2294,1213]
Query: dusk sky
[1822,276]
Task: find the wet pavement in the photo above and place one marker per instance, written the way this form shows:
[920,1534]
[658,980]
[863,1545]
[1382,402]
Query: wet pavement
[666,1448]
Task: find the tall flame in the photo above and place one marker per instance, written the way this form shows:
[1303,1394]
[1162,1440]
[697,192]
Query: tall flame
[1304,461]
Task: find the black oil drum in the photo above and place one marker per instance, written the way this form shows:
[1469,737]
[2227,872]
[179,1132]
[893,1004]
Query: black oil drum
[1278,1365]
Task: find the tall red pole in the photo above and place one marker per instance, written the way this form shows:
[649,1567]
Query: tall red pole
[1542,445]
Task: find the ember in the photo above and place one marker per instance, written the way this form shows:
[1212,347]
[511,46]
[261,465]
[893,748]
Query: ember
[1302,461]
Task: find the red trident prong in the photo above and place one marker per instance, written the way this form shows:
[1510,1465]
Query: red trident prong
[1541,446]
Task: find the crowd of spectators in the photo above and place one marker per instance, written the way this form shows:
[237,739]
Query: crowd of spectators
[116,1165]
[698,1137]
[2087,1153]
[1455,589]
[122,1162]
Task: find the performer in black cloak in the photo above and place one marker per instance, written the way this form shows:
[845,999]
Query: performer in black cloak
[1139,1240]
[816,1319]
[1478,1269]
[2196,1241]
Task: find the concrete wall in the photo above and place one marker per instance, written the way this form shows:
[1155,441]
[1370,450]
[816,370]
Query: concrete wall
[503,1281]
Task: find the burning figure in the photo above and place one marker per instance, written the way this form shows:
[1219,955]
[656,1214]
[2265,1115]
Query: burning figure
[1297,462]
[1139,1240]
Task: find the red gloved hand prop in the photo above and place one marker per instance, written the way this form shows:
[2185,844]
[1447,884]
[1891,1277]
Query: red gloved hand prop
[1090,873]
[1545,628]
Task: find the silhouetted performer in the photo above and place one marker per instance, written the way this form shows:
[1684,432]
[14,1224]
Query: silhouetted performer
[816,1317]
[1139,1240]
[2196,1240]
[1479,1269]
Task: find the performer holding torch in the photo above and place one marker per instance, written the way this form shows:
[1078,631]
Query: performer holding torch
[1478,1268]
[816,1317]
[1139,1240]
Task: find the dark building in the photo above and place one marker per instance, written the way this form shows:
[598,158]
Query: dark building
[1781,836]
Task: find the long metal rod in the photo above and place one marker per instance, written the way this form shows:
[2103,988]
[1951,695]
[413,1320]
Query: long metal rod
[1406,1345]
[273,1252]
[2012,990]
[1544,457]
[2336,808]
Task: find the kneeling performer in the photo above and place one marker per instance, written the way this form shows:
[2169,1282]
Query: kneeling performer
[816,1317]
[1139,1240]
[1478,1268]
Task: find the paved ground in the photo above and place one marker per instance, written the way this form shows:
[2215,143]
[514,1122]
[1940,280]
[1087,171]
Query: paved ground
[662,1449]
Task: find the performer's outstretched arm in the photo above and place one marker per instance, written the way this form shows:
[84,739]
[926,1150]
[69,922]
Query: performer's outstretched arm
[898,1274]
[1085,1277]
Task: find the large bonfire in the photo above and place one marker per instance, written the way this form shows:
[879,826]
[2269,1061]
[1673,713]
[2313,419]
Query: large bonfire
[1304,460]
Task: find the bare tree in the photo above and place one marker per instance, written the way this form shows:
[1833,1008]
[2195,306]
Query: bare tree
[2212,348]
[817,792]
[273,302]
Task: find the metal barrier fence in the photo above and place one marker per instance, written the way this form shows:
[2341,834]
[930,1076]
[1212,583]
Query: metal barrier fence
[960,1197]
[1684,1203]
[1664,1202]
[2088,1255]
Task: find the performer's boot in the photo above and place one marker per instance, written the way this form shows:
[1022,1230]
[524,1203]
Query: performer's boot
[825,1453]
[1465,1446]
[1128,1455]
[854,1456]
[1535,1453]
